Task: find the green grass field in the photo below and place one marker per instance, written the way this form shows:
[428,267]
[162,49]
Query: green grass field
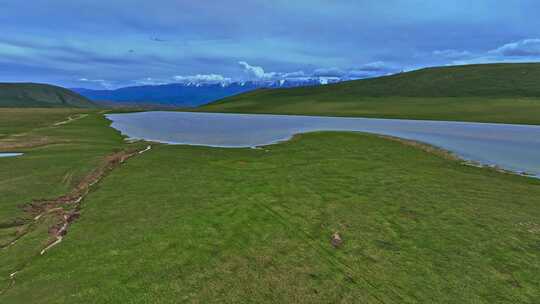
[183,224]
[17,121]
[56,158]
[505,93]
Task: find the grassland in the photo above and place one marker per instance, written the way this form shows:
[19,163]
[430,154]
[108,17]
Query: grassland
[16,121]
[209,225]
[57,157]
[505,93]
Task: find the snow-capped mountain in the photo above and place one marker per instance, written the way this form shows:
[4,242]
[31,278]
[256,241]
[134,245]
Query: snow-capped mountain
[191,94]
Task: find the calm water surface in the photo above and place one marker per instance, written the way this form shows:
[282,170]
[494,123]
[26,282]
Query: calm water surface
[512,147]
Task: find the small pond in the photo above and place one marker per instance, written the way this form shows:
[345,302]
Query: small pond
[10,154]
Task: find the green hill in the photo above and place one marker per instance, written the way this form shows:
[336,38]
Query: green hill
[489,93]
[40,95]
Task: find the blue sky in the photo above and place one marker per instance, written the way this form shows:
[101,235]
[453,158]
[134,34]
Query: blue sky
[114,43]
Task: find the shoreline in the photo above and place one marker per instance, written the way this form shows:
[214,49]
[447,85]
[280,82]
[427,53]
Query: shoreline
[426,146]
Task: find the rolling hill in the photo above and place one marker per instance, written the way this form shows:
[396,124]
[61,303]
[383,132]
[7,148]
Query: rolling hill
[40,95]
[507,93]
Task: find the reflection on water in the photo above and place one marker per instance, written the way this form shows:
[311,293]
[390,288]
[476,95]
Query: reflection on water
[512,147]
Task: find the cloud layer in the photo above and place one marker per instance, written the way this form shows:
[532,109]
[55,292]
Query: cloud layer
[522,48]
[207,78]
[113,44]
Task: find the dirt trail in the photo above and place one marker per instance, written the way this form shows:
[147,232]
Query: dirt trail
[66,208]
[70,119]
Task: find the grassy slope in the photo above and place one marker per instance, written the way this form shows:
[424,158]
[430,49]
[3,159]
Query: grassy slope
[508,93]
[204,225]
[40,95]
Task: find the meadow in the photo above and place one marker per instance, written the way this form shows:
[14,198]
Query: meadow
[186,224]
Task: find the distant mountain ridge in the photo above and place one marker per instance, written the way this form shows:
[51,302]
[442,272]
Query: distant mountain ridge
[191,94]
[40,95]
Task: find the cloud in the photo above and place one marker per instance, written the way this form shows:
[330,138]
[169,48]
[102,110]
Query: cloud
[323,74]
[289,35]
[376,66]
[521,48]
[101,82]
[452,54]
[256,71]
[357,74]
[203,78]
[150,81]
[297,74]
[329,72]
[526,50]
[372,69]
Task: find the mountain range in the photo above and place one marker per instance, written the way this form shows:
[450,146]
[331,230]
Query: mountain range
[190,94]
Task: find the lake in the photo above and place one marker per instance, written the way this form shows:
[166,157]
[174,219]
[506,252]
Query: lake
[511,147]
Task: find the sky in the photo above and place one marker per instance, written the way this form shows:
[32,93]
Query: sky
[116,43]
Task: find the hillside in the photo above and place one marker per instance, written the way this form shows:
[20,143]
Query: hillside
[40,95]
[488,93]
